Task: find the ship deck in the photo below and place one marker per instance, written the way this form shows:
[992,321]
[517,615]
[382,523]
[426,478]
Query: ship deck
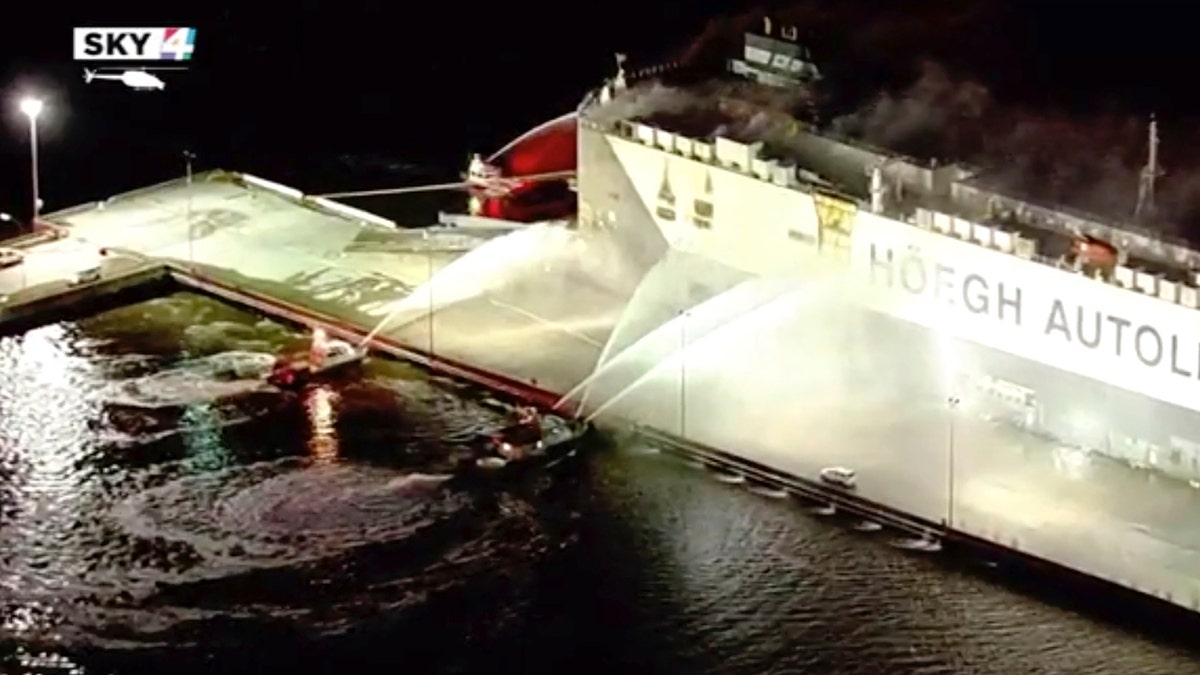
[845,164]
[546,323]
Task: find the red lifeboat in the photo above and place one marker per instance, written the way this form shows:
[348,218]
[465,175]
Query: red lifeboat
[548,148]
[1094,252]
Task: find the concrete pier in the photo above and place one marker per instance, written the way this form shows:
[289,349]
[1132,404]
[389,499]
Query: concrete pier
[119,281]
[536,309]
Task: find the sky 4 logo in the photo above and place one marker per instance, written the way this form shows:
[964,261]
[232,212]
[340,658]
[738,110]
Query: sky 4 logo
[134,44]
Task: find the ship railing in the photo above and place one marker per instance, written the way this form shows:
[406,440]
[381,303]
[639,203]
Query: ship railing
[1147,277]
[1062,218]
[650,72]
[1183,293]
[1146,242]
[784,175]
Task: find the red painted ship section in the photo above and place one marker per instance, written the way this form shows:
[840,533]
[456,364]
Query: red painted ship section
[547,148]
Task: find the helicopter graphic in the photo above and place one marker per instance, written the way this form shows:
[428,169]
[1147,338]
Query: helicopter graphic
[138,79]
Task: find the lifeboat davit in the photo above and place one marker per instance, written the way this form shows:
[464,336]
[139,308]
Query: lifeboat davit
[548,148]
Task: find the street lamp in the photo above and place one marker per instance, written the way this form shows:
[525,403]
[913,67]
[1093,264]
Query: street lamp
[952,405]
[683,317]
[429,285]
[32,107]
[187,161]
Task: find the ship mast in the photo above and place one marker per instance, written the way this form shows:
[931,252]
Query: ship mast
[878,187]
[616,83]
[1150,174]
[619,83]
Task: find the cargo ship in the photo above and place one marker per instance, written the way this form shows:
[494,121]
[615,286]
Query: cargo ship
[1055,321]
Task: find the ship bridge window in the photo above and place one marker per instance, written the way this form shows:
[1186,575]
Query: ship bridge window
[703,208]
[756,55]
[702,223]
[665,212]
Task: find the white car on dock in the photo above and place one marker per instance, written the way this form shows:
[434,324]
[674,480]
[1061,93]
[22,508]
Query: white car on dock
[10,257]
[839,476]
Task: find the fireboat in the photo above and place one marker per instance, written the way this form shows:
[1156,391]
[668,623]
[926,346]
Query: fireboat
[326,357]
[531,441]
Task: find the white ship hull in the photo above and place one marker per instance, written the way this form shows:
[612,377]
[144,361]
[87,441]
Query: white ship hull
[879,313]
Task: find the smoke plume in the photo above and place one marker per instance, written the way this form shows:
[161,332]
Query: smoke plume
[936,81]
[644,99]
[733,98]
[1089,162]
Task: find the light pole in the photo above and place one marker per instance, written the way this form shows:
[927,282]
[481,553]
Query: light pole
[952,406]
[683,316]
[32,107]
[187,164]
[429,285]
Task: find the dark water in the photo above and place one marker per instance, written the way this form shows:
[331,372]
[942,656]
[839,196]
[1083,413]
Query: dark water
[161,512]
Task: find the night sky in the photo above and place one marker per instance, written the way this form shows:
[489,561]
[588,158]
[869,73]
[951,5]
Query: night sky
[290,92]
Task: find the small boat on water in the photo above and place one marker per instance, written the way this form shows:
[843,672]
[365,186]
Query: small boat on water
[326,358]
[534,441]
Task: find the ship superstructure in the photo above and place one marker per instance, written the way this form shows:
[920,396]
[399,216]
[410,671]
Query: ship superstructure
[1057,321]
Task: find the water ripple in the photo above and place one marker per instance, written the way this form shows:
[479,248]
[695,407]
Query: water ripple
[279,513]
[157,504]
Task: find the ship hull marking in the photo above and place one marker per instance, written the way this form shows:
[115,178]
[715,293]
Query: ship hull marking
[1066,323]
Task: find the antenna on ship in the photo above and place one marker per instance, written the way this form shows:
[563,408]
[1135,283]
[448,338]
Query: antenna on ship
[619,80]
[1150,173]
[879,185]
[617,83]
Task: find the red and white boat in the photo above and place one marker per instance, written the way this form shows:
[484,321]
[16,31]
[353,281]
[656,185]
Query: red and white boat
[325,357]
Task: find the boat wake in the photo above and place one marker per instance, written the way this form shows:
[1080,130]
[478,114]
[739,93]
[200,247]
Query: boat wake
[284,540]
[118,553]
[282,513]
[140,408]
[216,335]
[198,380]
